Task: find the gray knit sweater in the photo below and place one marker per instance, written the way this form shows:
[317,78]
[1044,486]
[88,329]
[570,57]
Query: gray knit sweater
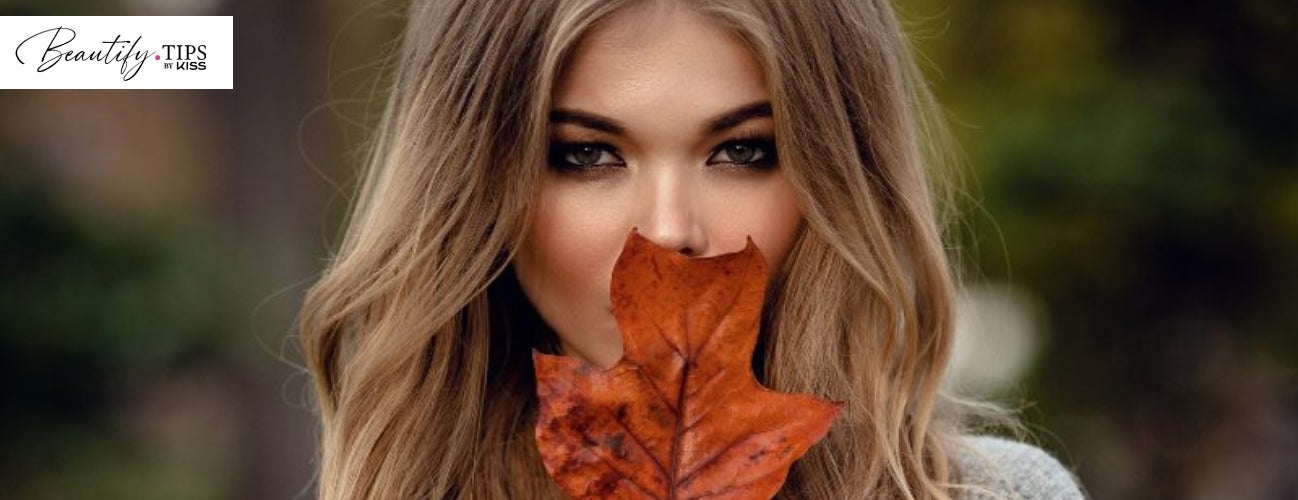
[998,468]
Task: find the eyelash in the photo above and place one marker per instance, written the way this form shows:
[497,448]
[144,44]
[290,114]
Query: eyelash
[560,149]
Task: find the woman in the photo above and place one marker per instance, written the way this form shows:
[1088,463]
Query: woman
[523,139]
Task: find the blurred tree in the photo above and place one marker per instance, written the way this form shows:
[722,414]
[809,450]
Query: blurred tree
[90,314]
[1137,162]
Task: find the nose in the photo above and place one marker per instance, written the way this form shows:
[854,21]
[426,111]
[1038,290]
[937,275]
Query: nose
[668,214]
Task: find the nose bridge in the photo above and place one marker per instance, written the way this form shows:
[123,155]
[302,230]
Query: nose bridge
[669,215]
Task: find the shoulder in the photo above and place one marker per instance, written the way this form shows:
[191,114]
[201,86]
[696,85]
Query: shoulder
[1011,470]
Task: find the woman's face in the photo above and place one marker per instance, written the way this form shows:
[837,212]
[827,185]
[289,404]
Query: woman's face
[660,121]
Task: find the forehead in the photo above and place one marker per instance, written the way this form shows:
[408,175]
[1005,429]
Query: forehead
[660,56]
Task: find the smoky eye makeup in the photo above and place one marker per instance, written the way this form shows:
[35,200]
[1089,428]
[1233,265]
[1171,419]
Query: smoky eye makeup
[742,151]
[746,151]
[583,157]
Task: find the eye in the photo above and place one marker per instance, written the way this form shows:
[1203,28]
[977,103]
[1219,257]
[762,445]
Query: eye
[757,152]
[584,156]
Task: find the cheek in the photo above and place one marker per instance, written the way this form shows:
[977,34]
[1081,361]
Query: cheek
[783,225]
[769,211]
[573,244]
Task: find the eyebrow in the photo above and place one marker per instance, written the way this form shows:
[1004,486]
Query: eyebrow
[724,121]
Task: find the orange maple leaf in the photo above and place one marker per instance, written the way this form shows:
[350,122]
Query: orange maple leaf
[680,416]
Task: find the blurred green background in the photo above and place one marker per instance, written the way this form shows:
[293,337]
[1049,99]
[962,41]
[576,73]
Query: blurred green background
[1130,236]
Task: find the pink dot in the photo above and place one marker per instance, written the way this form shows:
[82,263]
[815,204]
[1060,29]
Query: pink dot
[157,58]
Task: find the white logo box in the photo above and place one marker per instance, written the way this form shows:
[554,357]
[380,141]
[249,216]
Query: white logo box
[116,52]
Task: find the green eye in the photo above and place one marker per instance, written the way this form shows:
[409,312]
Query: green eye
[584,156]
[742,153]
[756,153]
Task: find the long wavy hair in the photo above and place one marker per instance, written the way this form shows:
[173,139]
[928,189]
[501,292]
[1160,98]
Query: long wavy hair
[418,337]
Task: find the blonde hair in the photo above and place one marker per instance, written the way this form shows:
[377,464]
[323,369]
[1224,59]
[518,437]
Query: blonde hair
[419,339]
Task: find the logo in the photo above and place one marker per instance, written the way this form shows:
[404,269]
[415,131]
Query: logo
[188,57]
[118,52]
